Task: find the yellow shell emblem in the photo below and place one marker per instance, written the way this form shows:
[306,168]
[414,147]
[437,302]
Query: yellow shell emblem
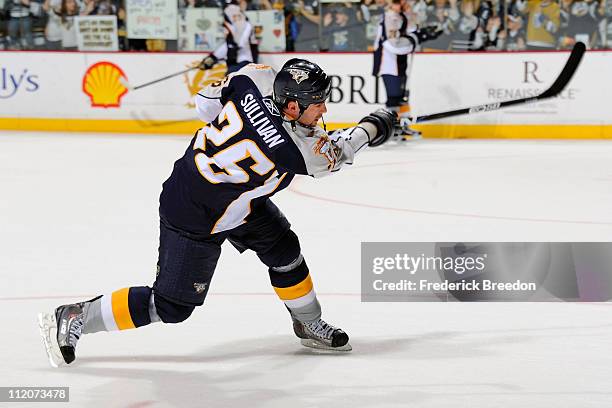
[203,78]
[101,83]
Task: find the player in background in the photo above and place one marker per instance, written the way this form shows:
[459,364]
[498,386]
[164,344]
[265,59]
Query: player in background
[240,47]
[262,131]
[395,43]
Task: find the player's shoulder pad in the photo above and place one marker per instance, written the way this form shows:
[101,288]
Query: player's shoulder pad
[261,75]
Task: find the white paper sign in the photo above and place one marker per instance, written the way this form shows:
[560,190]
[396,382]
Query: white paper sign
[97,33]
[154,19]
[201,29]
[269,26]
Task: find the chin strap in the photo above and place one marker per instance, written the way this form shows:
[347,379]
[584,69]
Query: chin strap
[293,121]
[293,127]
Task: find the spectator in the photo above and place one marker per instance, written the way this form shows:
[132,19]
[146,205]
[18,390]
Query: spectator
[578,23]
[69,10]
[443,13]
[467,25]
[543,20]
[372,12]
[484,13]
[408,10]
[343,30]
[493,30]
[564,16]
[494,26]
[53,30]
[514,37]
[605,10]
[19,24]
[100,8]
[292,27]
[308,20]
[419,8]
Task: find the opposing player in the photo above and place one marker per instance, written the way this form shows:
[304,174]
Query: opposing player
[261,132]
[395,43]
[240,45]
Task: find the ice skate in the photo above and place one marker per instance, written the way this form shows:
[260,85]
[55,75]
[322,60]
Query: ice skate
[321,335]
[407,132]
[61,344]
[410,134]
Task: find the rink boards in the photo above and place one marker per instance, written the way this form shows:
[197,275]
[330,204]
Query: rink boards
[83,92]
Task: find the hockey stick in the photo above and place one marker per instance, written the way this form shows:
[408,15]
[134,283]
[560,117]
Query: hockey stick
[125,83]
[555,89]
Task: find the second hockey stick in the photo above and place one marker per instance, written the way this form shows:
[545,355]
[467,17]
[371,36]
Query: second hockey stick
[125,83]
[555,89]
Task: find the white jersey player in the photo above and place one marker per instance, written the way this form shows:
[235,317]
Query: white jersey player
[395,41]
[240,45]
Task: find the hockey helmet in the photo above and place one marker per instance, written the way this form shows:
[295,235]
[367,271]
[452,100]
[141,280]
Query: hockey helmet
[301,81]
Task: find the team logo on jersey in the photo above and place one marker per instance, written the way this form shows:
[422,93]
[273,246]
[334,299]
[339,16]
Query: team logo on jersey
[327,149]
[298,75]
[202,78]
[271,106]
[102,83]
[199,287]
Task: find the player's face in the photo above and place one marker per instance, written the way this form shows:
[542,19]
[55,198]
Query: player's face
[313,114]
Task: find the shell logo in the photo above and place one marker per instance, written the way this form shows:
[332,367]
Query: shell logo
[102,84]
[203,78]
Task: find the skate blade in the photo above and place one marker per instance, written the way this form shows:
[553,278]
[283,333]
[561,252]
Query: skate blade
[411,137]
[48,332]
[324,347]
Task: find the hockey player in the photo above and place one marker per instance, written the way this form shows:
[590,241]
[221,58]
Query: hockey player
[395,42]
[261,132]
[240,46]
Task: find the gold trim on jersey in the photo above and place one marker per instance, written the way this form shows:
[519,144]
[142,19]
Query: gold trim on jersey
[295,291]
[121,309]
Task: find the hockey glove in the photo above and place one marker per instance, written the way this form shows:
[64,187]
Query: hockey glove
[208,62]
[430,32]
[385,121]
[232,53]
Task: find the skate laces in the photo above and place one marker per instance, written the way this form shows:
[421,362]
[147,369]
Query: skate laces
[75,330]
[320,328]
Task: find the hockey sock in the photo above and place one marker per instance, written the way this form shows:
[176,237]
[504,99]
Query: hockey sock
[404,110]
[123,309]
[293,285]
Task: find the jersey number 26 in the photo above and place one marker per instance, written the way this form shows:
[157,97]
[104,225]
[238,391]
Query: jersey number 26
[230,172]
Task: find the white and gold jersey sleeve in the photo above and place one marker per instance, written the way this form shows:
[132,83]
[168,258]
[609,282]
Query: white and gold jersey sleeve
[208,102]
[325,153]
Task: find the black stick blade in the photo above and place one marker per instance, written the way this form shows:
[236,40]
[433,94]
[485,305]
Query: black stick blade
[560,83]
[567,73]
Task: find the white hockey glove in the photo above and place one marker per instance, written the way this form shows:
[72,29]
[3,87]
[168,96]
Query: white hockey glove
[386,123]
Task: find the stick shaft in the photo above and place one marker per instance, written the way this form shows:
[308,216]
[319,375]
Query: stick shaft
[164,78]
[555,89]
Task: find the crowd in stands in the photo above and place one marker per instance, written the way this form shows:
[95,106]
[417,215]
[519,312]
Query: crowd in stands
[48,24]
[474,25]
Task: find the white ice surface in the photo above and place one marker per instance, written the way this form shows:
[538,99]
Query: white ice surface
[78,217]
